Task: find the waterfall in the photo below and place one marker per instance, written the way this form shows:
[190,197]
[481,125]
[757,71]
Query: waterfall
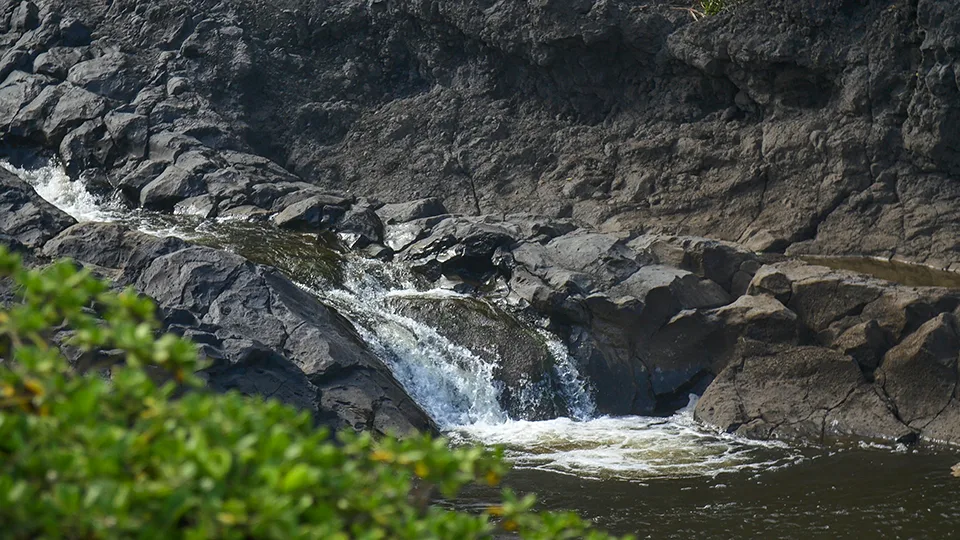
[456,387]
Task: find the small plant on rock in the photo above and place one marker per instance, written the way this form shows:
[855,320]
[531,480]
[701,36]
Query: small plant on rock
[141,450]
[713,7]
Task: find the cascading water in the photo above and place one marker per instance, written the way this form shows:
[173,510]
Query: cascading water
[454,385]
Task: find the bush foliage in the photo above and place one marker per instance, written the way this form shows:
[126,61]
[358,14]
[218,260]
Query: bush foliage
[141,450]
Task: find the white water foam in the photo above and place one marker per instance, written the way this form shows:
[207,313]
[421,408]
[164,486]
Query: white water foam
[457,388]
[628,448]
[54,185]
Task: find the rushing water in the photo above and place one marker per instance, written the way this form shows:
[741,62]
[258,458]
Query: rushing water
[656,477]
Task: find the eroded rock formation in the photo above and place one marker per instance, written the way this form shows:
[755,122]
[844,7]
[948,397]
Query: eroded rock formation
[625,133]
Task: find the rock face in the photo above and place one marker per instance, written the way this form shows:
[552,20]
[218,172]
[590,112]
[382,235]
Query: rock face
[869,360]
[265,335]
[830,135]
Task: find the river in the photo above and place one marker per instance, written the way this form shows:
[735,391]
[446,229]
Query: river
[655,477]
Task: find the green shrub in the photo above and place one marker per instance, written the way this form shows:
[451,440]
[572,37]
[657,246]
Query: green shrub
[146,452]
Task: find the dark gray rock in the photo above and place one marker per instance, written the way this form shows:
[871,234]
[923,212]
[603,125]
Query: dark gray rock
[203,206]
[129,132]
[26,217]
[74,33]
[14,60]
[17,91]
[109,75]
[55,112]
[57,62]
[720,262]
[797,393]
[25,17]
[90,146]
[137,177]
[170,187]
[310,214]
[360,227]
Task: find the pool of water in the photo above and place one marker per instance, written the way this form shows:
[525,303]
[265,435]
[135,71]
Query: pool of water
[912,275]
[852,493]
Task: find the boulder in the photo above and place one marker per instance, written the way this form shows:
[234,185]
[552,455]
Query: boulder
[14,60]
[25,16]
[90,146]
[311,214]
[169,188]
[720,262]
[797,393]
[920,374]
[25,216]
[360,227]
[16,92]
[129,132]
[109,75]
[55,112]
[57,62]
[74,33]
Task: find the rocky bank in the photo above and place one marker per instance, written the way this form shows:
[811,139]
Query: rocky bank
[641,178]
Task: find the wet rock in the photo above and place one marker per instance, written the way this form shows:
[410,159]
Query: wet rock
[90,146]
[25,217]
[275,339]
[131,183]
[523,363]
[310,214]
[203,206]
[360,227]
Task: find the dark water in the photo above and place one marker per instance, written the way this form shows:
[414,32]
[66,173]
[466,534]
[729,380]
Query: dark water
[913,275]
[845,494]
